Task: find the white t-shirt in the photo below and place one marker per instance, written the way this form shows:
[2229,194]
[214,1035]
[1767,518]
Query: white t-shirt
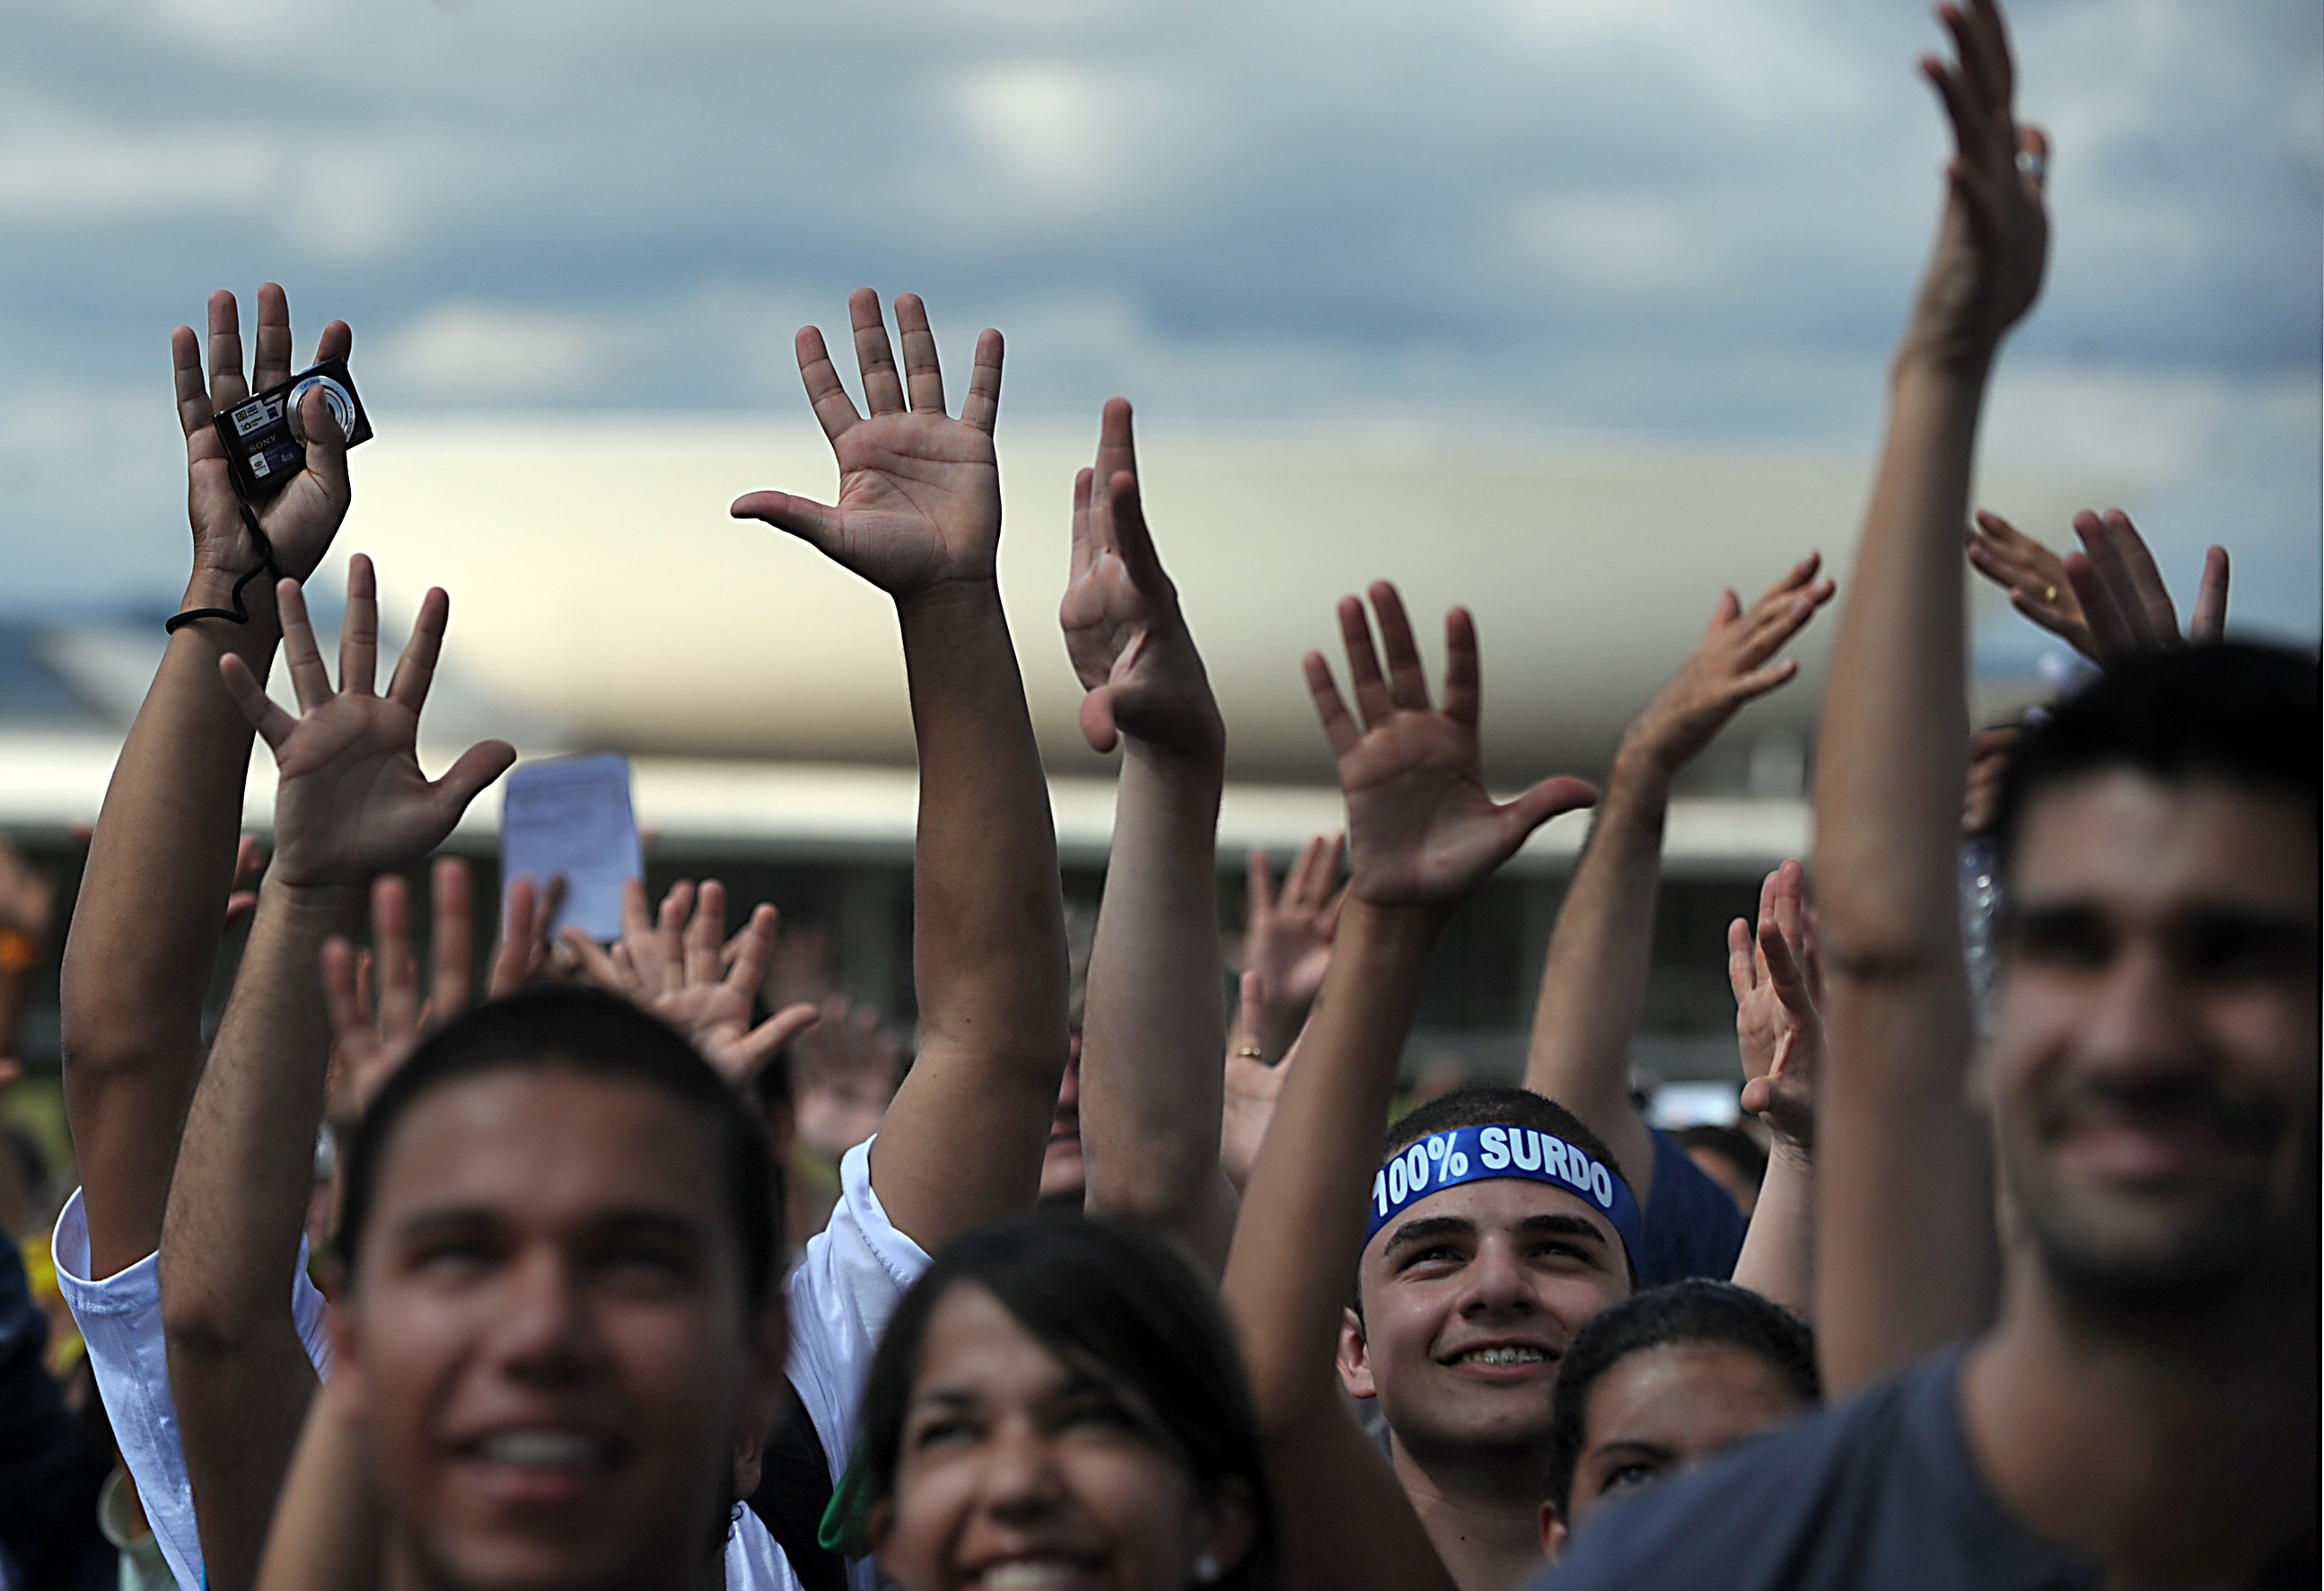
[845,1288]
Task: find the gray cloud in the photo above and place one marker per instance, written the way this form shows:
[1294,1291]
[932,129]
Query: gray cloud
[1695,217]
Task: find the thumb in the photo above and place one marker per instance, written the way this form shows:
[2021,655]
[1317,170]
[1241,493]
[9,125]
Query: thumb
[1547,800]
[1097,719]
[327,447]
[467,778]
[1758,1094]
[803,517]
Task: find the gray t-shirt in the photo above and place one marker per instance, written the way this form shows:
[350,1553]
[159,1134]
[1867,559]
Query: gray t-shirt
[1879,1491]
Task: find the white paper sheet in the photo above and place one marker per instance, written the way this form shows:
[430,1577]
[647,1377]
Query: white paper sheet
[572,817]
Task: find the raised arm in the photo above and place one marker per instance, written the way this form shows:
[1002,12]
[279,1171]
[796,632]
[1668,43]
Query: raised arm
[1595,980]
[1905,1249]
[161,865]
[352,804]
[918,515]
[1155,1019]
[1422,835]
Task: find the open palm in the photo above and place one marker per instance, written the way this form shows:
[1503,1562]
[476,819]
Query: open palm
[1422,828]
[919,491]
[352,802]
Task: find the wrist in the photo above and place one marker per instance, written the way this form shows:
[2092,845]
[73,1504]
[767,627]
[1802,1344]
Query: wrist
[321,904]
[963,599]
[1195,750]
[1793,1154]
[1645,763]
[1390,926]
[1949,356]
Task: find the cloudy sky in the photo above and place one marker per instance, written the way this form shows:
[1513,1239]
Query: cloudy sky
[1673,219]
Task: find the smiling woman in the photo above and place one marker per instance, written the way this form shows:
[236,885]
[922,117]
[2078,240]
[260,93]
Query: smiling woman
[1059,1404]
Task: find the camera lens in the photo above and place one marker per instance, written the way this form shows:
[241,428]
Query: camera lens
[340,401]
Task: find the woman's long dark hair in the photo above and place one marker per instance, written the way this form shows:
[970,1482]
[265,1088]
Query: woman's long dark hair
[1108,1297]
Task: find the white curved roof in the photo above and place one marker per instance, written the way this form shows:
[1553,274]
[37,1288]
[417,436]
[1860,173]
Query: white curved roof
[602,595]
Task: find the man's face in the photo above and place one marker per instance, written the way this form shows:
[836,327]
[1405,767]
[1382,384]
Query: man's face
[1065,1179]
[2155,1059]
[546,1338]
[1470,1296]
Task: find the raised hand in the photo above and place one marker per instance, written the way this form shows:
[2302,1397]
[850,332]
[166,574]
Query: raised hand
[919,491]
[672,968]
[1778,1019]
[1287,939]
[1728,667]
[378,1013]
[848,1066]
[2034,576]
[1127,641]
[1422,830]
[352,802]
[1995,239]
[2123,596]
[301,520]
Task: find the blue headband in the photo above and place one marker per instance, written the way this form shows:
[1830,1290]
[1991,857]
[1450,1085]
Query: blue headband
[1479,1154]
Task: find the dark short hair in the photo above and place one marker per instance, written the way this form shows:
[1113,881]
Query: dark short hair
[1486,1104]
[1732,1144]
[1698,1310]
[2241,714]
[1113,1300]
[558,1027]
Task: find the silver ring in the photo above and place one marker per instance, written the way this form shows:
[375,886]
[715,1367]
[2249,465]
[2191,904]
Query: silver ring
[2030,164]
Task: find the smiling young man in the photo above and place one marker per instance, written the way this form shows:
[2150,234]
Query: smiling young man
[1494,1229]
[1499,1227]
[560,1337]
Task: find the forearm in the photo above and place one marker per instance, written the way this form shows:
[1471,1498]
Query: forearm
[988,936]
[1905,1256]
[1301,1232]
[145,929]
[1778,1257]
[1155,1019]
[1593,984]
[246,1172]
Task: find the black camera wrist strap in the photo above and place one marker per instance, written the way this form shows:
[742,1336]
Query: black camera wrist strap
[239,613]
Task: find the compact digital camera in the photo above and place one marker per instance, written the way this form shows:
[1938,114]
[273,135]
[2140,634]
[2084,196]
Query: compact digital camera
[264,447]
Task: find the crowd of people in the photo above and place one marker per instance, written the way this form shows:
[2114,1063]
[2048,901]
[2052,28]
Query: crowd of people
[2012,1281]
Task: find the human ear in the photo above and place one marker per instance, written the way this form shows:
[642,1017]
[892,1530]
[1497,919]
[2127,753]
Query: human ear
[1355,1357]
[345,1386]
[1554,1532]
[1230,1529]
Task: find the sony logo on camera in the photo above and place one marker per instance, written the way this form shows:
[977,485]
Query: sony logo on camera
[264,443]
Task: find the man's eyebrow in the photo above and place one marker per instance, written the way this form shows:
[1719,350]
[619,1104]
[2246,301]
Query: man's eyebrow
[1426,1228]
[1629,1447]
[427,1222]
[646,1222]
[1565,1226]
